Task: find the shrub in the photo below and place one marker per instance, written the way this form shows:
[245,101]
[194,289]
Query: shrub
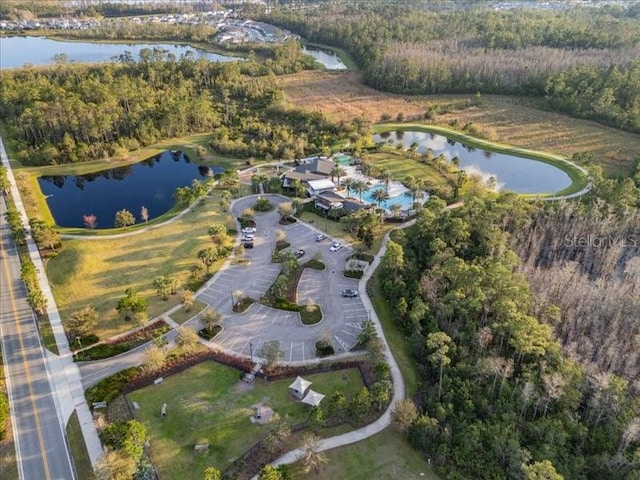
[262,205]
[4,414]
[101,351]
[315,264]
[84,342]
[243,304]
[109,388]
[324,348]
[310,314]
[209,334]
[283,304]
[353,273]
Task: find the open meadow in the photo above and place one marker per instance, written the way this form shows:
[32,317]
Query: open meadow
[97,272]
[510,120]
[209,402]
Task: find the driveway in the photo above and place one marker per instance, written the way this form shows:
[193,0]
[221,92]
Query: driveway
[246,332]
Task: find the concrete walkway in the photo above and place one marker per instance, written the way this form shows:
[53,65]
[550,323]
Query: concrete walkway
[398,382]
[64,375]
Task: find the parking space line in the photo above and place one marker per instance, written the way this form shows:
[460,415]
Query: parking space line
[291,351]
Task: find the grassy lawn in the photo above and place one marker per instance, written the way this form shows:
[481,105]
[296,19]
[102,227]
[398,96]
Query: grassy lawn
[203,403]
[98,271]
[181,315]
[78,449]
[384,456]
[395,337]
[400,166]
[511,120]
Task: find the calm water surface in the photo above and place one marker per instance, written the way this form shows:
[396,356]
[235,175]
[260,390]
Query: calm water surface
[328,58]
[150,183]
[16,51]
[518,174]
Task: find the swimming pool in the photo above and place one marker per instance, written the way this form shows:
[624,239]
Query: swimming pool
[342,159]
[404,199]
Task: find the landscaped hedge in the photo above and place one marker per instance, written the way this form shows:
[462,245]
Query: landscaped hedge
[353,273]
[243,304]
[83,342]
[109,388]
[209,334]
[324,348]
[310,314]
[4,414]
[283,304]
[365,257]
[123,344]
[315,264]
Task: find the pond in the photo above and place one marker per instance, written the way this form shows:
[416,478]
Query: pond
[328,58]
[16,51]
[517,174]
[150,183]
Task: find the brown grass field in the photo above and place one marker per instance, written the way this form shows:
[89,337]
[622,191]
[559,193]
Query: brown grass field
[501,118]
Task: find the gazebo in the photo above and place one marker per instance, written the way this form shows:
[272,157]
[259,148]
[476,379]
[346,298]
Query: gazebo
[299,387]
[313,398]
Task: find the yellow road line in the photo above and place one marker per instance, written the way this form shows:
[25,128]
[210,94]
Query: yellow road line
[24,363]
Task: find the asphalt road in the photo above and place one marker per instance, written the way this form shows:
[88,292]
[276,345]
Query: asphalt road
[40,443]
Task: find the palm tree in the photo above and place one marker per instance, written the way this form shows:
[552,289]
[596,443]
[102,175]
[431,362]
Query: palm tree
[386,176]
[349,182]
[337,171]
[359,187]
[380,196]
[395,209]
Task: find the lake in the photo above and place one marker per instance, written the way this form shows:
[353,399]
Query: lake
[16,51]
[150,183]
[517,174]
[328,58]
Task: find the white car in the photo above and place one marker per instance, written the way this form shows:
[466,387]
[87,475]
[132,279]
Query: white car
[335,246]
[320,237]
[249,230]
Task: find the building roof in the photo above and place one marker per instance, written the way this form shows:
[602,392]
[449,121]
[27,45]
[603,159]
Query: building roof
[300,384]
[302,176]
[319,166]
[312,398]
[321,184]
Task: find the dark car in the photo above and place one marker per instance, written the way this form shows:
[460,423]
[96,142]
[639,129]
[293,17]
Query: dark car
[247,244]
[350,292]
[299,253]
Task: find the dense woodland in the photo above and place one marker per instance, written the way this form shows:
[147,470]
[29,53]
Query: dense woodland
[583,62]
[498,397]
[75,113]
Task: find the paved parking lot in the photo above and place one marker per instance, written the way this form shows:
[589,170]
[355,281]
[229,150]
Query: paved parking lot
[247,332]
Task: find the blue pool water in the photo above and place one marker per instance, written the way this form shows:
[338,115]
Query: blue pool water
[405,200]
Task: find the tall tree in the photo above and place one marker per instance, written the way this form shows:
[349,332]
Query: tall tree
[124,218]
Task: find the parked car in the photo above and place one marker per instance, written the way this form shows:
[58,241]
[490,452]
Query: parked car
[335,246]
[350,292]
[299,253]
[248,236]
[320,237]
[249,230]
[247,244]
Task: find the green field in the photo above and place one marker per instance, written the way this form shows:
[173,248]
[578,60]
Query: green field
[205,402]
[400,165]
[385,456]
[98,271]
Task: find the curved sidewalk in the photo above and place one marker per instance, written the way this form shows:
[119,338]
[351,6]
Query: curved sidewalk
[398,382]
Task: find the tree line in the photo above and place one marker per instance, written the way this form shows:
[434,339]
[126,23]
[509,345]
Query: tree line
[567,56]
[497,395]
[75,113]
